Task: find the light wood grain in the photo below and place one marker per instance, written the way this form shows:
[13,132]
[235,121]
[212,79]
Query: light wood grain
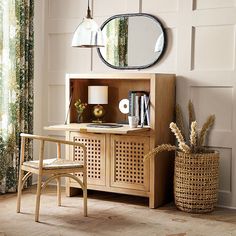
[54,172]
[157,172]
[83,128]
[127,167]
[96,157]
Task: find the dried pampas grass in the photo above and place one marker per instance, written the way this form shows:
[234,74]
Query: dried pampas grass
[191,113]
[174,128]
[193,136]
[196,140]
[158,149]
[180,120]
[205,128]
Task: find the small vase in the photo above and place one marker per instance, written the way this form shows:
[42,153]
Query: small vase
[80,117]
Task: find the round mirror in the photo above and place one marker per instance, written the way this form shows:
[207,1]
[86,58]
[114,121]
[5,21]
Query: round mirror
[132,41]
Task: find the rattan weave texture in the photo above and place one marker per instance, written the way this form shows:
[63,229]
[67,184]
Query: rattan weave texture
[196,181]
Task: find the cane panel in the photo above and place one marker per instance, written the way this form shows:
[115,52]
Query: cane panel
[95,144]
[128,169]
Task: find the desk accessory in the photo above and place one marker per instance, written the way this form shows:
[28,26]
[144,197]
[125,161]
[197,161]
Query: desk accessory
[104,125]
[124,108]
[98,95]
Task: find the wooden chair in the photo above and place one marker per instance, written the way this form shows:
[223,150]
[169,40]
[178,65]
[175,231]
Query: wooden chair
[52,169]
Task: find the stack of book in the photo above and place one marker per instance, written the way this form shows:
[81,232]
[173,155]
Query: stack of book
[139,106]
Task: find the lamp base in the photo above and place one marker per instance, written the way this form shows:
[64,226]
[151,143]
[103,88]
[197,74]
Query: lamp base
[97,121]
[98,112]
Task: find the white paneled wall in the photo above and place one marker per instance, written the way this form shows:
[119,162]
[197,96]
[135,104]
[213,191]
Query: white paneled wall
[207,41]
[209,4]
[201,51]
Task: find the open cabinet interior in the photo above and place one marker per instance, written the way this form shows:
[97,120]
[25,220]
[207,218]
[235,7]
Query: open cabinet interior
[118,89]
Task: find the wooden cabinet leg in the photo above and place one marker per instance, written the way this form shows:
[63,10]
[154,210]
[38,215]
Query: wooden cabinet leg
[152,202]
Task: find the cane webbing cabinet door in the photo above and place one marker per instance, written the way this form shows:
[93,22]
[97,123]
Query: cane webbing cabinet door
[95,156]
[127,167]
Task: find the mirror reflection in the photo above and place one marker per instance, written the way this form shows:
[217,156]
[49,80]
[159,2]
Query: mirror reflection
[133,41]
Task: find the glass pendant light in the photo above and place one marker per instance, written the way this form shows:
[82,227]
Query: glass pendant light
[88,34]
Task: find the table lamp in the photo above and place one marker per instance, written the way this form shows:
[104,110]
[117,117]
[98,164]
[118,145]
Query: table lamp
[98,95]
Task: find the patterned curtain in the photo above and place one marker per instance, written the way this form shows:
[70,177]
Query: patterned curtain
[16,86]
[117,42]
[123,42]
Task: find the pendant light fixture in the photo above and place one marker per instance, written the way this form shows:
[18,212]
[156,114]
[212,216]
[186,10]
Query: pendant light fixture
[88,34]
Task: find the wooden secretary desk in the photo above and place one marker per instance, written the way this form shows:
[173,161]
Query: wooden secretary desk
[115,155]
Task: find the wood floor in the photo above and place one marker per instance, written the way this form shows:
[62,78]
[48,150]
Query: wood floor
[108,215]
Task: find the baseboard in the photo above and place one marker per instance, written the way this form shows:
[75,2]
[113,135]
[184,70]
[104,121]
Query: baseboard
[227,207]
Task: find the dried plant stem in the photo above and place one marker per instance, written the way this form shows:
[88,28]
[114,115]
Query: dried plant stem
[207,125]
[191,113]
[158,149]
[180,120]
[184,147]
[174,128]
[195,139]
[193,136]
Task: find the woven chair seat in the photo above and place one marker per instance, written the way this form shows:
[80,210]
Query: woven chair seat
[54,163]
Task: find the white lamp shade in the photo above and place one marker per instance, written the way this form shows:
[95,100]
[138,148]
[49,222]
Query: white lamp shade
[88,34]
[97,94]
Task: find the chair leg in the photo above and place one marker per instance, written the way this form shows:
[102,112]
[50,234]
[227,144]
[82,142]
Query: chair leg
[85,201]
[19,191]
[38,195]
[85,193]
[58,191]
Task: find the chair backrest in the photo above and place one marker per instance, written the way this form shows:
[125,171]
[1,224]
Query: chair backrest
[44,139]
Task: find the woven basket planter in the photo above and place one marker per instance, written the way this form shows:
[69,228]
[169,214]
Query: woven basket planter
[196,181]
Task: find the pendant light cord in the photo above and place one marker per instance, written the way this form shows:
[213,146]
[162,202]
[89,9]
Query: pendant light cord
[89,16]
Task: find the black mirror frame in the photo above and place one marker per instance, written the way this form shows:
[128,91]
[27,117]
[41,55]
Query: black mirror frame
[135,67]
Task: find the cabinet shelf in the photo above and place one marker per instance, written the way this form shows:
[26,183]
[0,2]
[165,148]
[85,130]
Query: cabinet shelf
[117,89]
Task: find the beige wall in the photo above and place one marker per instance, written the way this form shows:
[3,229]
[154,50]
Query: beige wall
[201,51]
